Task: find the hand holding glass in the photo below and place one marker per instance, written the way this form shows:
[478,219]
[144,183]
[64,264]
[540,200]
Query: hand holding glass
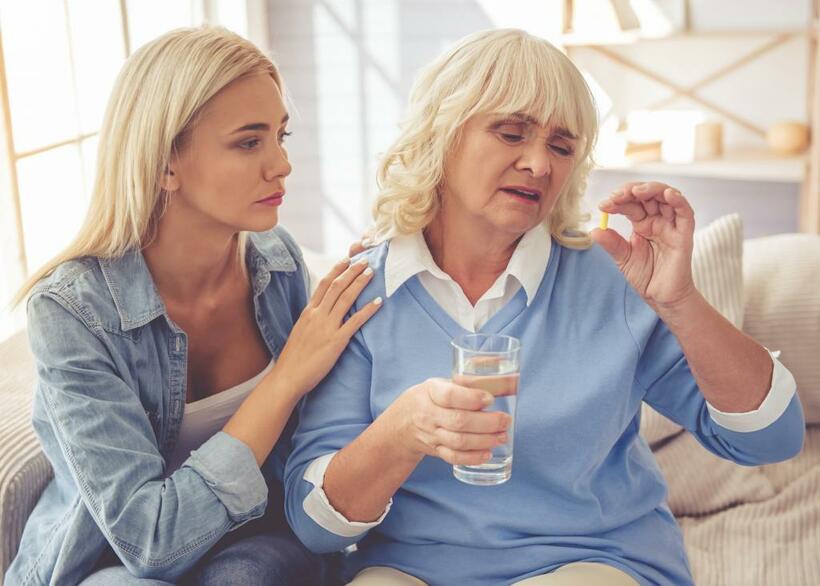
[489,362]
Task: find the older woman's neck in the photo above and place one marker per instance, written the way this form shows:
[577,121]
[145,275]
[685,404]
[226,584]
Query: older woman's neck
[470,257]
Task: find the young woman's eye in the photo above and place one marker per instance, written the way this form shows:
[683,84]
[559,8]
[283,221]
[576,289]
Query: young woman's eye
[283,136]
[249,144]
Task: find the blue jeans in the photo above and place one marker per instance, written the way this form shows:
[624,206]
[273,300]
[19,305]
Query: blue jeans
[266,559]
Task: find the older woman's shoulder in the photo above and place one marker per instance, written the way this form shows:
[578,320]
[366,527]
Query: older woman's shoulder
[376,256]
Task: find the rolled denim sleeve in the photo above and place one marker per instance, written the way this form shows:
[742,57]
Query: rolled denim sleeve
[158,526]
[229,468]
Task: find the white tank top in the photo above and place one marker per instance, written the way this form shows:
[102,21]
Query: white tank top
[203,418]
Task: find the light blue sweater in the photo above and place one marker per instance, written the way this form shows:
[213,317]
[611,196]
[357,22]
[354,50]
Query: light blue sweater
[584,484]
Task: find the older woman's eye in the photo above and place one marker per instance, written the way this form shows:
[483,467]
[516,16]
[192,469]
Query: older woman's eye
[513,138]
[283,136]
[561,150]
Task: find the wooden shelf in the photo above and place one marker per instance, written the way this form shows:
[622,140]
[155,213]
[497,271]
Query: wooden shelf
[741,166]
[631,37]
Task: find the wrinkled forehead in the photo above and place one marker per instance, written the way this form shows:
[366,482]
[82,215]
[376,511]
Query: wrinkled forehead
[545,105]
[514,73]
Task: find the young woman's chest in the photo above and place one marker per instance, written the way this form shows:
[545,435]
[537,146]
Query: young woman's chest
[224,345]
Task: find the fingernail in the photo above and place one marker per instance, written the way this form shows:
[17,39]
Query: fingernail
[368,271]
[345,260]
[502,439]
[378,301]
[361,261]
[366,242]
[642,187]
[487,399]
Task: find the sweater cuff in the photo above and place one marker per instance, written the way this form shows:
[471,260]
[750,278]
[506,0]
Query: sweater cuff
[773,406]
[229,468]
[318,507]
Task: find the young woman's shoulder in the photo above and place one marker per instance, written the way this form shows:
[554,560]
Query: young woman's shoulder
[76,290]
[277,244]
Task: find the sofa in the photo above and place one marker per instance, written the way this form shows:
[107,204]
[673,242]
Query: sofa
[742,525]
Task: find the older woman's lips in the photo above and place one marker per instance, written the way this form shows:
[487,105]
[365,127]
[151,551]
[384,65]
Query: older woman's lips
[524,193]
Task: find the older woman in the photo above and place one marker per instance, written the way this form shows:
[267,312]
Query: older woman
[480,215]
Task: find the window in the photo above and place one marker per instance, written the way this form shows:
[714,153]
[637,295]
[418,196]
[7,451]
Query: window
[58,63]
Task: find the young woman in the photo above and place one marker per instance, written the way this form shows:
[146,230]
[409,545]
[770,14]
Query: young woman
[175,335]
[481,222]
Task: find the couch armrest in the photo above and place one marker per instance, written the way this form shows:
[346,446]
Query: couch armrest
[24,470]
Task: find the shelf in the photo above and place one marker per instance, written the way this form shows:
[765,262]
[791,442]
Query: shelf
[631,37]
[741,166]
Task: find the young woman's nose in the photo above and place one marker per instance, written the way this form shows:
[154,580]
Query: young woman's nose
[535,159]
[277,165]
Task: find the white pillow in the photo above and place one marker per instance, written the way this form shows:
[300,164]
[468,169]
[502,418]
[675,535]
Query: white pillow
[717,268]
[782,294]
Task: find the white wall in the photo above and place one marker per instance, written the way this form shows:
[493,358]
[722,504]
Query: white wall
[349,64]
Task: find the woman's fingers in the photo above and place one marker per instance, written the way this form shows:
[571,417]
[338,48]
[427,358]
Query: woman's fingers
[358,247]
[613,243]
[358,319]
[450,395]
[638,201]
[321,289]
[349,295]
[339,284]
[468,442]
[485,422]
[681,205]
[649,190]
[457,458]
[634,211]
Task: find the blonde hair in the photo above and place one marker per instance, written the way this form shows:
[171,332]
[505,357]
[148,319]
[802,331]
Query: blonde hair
[152,109]
[499,71]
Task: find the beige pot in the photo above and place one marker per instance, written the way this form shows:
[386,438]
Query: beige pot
[788,138]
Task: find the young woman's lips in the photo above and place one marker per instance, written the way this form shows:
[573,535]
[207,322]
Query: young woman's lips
[272,200]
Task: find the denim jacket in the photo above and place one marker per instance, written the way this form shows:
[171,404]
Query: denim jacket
[109,400]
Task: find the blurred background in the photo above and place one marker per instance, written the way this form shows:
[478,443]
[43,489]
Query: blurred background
[716,98]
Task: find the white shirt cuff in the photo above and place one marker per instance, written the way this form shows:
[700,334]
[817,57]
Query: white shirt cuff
[773,406]
[322,512]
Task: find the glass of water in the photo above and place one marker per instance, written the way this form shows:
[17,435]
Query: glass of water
[489,362]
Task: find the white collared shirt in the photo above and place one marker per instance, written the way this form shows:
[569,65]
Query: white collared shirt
[409,256]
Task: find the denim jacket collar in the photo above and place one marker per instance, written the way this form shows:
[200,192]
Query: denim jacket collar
[136,297]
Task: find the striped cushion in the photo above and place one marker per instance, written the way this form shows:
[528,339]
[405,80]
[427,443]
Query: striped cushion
[717,268]
[24,470]
[782,298]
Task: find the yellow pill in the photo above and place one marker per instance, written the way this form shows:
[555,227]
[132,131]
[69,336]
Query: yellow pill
[604,221]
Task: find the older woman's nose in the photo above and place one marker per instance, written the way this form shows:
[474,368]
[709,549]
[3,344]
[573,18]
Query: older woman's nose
[535,160]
